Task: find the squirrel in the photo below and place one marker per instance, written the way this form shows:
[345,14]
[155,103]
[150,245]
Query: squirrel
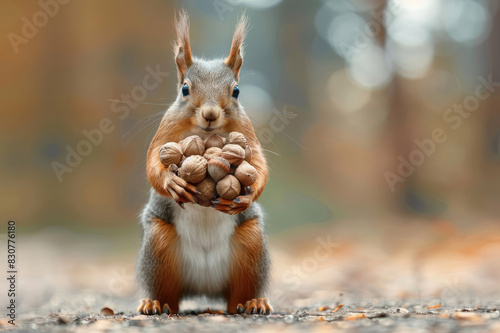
[192,248]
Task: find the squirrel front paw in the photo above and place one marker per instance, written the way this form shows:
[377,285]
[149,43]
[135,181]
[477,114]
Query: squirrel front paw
[255,306]
[180,190]
[152,307]
[236,206]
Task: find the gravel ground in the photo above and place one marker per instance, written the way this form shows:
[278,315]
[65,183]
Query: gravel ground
[427,282]
[383,317]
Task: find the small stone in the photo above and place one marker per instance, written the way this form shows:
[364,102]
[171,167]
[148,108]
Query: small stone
[63,320]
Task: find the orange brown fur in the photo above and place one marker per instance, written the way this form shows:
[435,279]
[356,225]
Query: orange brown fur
[182,48]
[210,90]
[170,130]
[244,281]
[167,279]
[235,58]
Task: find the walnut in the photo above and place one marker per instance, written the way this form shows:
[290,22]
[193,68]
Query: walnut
[234,154]
[192,145]
[212,152]
[238,139]
[170,153]
[246,174]
[193,169]
[207,188]
[214,141]
[228,187]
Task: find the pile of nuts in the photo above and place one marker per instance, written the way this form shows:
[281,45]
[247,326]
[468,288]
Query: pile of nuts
[214,166]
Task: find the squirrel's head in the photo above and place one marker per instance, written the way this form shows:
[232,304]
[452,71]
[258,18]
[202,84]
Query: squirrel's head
[208,89]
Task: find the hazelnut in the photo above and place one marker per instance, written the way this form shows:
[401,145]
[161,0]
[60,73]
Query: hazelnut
[234,154]
[237,138]
[193,169]
[170,153]
[212,152]
[246,174]
[248,154]
[214,140]
[207,188]
[228,187]
[192,145]
[218,168]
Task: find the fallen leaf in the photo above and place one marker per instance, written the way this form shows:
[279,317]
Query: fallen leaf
[324,308]
[468,316]
[338,308]
[434,306]
[63,320]
[360,308]
[107,312]
[356,316]
[322,319]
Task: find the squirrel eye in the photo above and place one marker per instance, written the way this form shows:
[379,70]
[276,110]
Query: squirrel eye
[236,91]
[185,90]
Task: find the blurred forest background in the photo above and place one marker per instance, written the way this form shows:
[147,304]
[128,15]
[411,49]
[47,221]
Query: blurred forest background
[338,92]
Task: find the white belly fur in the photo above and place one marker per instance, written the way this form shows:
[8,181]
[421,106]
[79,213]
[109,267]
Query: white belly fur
[205,236]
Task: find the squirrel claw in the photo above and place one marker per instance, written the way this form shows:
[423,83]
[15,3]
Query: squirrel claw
[232,207]
[259,306]
[149,307]
[152,307]
[181,191]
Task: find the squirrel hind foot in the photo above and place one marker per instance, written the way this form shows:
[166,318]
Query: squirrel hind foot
[148,306]
[255,306]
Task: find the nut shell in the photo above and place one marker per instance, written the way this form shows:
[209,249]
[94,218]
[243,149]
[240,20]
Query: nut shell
[182,161]
[207,188]
[214,140]
[218,168]
[246,174]
[212,152]
[192,145]
[237,138]
[170,153]
[228,187]
[193,169]
[234,154]
[248,154]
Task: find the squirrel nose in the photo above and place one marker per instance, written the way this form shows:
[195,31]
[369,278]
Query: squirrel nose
[210,114]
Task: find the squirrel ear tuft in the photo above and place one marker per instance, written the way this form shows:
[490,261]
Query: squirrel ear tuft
[235,58]
[182,47]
